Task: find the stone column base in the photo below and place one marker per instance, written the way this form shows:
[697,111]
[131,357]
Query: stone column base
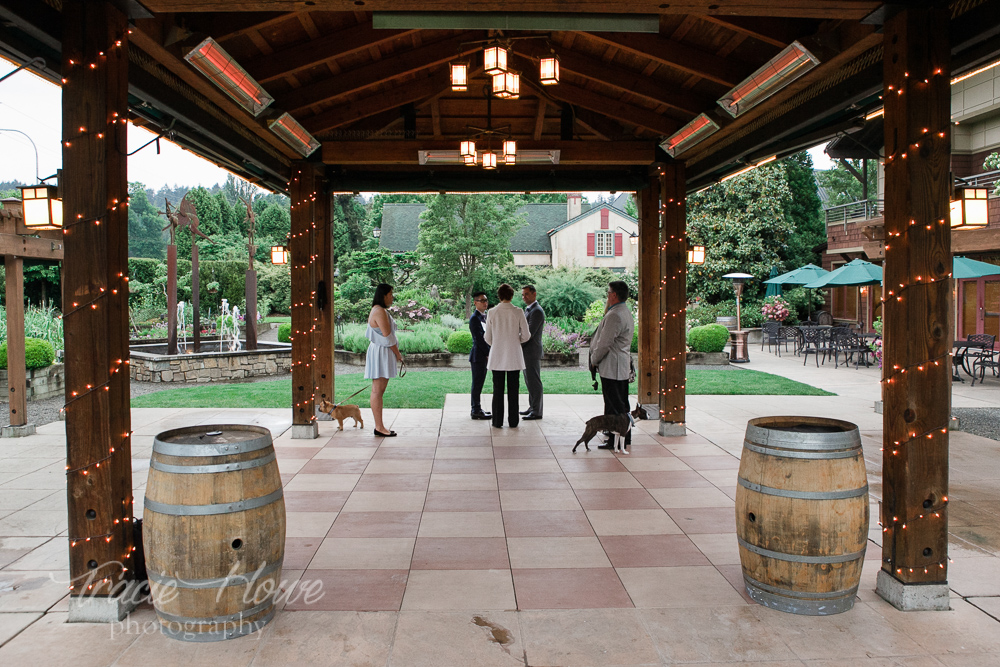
[652,410]
[87,609]
[912,597]
[672,428]
[17,431]
[305,431]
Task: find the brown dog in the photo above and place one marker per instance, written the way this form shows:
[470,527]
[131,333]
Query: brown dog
[617,425]
[342,412]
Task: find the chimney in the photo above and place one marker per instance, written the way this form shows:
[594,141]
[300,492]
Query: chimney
[574,205]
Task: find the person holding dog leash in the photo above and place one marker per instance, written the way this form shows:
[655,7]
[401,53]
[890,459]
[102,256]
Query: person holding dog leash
[383,353]
[610,353]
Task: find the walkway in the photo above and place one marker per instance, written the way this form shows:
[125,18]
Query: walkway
[458,544]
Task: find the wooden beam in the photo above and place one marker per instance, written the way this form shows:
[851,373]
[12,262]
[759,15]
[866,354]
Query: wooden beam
[95,297]
[16,373]
[831,9]
[436,118]
[675,55]
[384,71]
[570,152]
[916,374]
[228,26]
[303,192]
[673,298]
[975,240]
[770,31]
[30,248]
[649,294]
[304,55]
[350,112]
[539,119]
[323,373]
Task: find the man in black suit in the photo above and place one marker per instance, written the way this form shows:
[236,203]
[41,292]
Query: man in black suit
[532,351]
[480,353]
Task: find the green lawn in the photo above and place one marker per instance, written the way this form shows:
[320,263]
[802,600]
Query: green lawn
[427,389]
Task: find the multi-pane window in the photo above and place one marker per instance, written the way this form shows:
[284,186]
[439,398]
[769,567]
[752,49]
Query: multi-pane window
[605,243]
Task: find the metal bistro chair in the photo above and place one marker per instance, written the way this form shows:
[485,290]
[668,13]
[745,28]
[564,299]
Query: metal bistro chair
[785,336]
[839,340]
[854,347]
[769,333]
[816,341]
[982,358]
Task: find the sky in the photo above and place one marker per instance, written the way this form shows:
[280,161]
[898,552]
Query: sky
[32,106]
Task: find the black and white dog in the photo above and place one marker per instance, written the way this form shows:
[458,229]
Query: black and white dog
[617,425]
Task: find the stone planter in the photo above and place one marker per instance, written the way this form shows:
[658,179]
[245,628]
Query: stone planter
[151,366]
[449,360]
[707,359]
[41,382]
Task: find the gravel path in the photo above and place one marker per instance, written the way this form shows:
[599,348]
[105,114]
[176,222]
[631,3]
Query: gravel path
[984,422]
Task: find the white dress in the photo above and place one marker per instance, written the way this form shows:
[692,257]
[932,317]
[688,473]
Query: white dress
[380,361]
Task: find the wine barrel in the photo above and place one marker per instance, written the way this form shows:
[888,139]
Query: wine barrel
[802,513]
[214,531]
[728,321]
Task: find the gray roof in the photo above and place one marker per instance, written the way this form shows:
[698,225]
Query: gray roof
[400,227]
[587,212]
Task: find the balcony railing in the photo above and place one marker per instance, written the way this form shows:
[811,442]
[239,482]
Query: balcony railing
[987,179]
[853,212]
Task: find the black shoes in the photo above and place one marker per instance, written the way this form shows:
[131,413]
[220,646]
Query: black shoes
[481,415]
[531,415]
[526,412]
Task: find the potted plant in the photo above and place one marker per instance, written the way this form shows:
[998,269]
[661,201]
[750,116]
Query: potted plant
[212,287]
[775,308]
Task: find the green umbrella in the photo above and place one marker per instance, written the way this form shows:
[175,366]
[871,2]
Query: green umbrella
[773,289]
[970,268]
[800,276]
[855,274]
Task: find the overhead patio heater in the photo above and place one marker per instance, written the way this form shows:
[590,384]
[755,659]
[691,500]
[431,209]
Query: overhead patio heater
[294,134]
[212,60]
[701,127]
[794,61]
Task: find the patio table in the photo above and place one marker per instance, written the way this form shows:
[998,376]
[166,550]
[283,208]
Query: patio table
[961,357]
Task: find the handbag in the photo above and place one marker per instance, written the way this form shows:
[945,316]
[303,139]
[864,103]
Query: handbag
[631,370]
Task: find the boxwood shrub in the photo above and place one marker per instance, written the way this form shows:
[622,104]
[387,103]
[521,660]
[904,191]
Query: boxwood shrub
[708,338]
[460,342]
[38,353]
[285,332]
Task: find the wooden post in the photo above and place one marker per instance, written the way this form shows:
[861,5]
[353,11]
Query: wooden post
[301,247]
[673,298]
[649,294]
[195,298]
[916,386]
[95,192]
[171,299]
[323,338]
[250,317]
[16,374]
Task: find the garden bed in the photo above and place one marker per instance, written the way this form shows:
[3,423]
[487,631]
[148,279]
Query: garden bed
[449,360]
[150,363]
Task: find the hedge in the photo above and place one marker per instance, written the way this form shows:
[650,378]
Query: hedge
[285,332]
[708,338]
[460,342]
[38,353]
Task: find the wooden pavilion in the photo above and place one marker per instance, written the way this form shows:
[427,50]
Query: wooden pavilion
[370,81]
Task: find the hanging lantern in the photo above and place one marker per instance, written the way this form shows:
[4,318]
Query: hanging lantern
[468,148]
[548,72]
[509,147]
[696,254]
[459,76]
[489,160]
[279,254]
[968,208]
[495,59]
[42,207]
[509,159]
[470,160]
[507,85]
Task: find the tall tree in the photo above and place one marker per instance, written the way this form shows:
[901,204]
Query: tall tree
[145,235]
[845,183]
[462,236]
[804,208]
[349,220]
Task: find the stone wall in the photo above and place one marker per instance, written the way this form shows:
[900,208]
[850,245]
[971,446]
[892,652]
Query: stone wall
[209,367]
[41,382]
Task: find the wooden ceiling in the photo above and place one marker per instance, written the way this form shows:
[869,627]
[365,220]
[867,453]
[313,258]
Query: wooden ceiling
[374,97]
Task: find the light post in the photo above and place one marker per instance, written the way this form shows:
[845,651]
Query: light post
[738,348]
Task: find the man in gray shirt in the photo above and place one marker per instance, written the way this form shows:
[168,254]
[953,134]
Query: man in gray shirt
[610,352]
[532,351]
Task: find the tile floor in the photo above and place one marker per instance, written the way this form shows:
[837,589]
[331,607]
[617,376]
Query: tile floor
[459,544]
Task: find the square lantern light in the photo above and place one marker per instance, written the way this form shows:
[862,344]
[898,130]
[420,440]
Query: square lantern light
[459,76]
[279,254]
[495,59]
[548,71]
[489,160]
[696,254]
[509,148]
[794,61]
[507,85]
[294,134]
[212,60]
[467,149]
[968,208]
[470,160]
[42,207]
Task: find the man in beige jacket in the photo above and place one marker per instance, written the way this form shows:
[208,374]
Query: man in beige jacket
[610,352]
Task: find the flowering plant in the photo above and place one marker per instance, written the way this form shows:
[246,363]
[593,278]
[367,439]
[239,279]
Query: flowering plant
[775,308]
[555,340]
[412,311]
[876,347]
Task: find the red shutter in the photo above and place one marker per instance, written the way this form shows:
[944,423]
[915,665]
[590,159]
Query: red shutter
[618,245]
[604,218]
[590,244]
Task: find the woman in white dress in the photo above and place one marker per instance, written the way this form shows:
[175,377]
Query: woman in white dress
[383,353]
[506,329]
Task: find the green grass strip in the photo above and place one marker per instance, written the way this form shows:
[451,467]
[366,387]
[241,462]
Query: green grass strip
[427,389]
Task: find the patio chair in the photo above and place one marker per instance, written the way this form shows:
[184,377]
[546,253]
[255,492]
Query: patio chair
[816,341]
[824,318]
[982,358]
[839,336]
[854,347]
[791,335]
[769,331]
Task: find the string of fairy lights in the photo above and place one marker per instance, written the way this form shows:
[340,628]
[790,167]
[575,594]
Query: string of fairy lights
[680,359]
[309,200]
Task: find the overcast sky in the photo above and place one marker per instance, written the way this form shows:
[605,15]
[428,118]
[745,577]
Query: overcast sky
[32,105]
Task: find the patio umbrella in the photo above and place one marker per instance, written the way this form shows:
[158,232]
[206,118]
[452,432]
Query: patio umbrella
[970,268]
[773,289]
[856,273]
[800,276]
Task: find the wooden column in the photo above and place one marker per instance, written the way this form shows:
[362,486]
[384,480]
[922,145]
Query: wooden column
[649,293]
[323,336]
[673,298]
[302,250]
[16,373]
[95,306]
[916,387]
[195,298]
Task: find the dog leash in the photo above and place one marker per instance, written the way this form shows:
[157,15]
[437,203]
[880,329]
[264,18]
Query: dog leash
[402,369]
[337,405]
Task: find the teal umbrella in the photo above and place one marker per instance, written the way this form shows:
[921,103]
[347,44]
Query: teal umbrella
[773,289]
[856,273]
[800,276]
[970,268]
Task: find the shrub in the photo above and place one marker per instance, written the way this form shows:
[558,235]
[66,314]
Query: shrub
[409,311]
[460,342]
[594,314]
[420,342]
[570,325]
[285,332]
[556,341]
[357,288]
[708,338]
[38,353]
[635,340]
[452,322]
[563,296]
[775,309]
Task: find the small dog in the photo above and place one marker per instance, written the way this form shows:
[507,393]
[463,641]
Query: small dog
[617,425]
[342,412]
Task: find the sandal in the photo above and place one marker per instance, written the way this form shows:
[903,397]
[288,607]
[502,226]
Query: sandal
[390,434]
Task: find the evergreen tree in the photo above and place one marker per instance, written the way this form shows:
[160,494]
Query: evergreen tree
[145,225]
[805,211]
[844,182]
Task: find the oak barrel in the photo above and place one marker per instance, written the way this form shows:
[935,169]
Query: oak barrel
[728,321]
[214,531]
[802,513]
